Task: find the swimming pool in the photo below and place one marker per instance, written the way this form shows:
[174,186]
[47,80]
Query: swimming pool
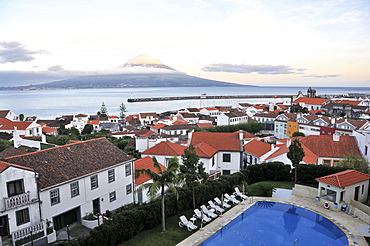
[274,223]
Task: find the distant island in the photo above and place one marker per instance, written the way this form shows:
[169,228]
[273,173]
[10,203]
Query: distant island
[141,71]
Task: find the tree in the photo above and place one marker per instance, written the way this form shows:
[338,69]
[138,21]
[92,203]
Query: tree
[88,128]
[160,180]
[103,110]
[296,108]
[21,117]
[354,162]
[132,151]
[122,111]
[298,134]
[4,144]
[192,171]
[295,155]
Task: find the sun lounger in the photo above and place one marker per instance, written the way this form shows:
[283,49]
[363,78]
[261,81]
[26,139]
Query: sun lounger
[238,193]
[208,212]
[185,222]
[215,207]
[232,199]
[201,216]
[224,204]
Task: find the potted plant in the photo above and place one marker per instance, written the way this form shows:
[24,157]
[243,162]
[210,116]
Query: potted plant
[51,233]
[90,220]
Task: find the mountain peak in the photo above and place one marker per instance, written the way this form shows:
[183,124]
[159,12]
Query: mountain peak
[146,61]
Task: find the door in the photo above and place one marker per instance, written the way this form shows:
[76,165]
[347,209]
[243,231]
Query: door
[65,219]
[96,206]
[4,227]
[357,189]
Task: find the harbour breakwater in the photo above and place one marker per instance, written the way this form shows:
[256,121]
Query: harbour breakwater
[151,99]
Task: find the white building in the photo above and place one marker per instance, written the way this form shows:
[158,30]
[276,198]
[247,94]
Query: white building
[19,210]
[80,178]
[231,118]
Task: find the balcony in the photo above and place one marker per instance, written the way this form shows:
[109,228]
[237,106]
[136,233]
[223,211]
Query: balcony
[35,231]
[17,201]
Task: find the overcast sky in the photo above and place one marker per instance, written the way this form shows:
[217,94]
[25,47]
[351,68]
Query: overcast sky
[256,42]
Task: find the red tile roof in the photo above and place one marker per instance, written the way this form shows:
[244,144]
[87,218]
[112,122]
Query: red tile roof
[93,122]
[257,148]
[345,178]
[218,140]
[4,165]
[6,124]
[158,126]
[165,148]
[132,117]
[309,100]
[351,102]
[324,146]
[204,125]
[146,163]
[204,150]
[147,134]
[47,129]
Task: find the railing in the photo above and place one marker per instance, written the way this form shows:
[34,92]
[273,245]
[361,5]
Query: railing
[17,201]
[215,175]
[29,231]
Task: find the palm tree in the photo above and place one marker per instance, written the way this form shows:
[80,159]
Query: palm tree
[160,180]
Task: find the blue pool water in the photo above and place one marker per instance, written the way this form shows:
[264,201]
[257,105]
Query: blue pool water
[273,223]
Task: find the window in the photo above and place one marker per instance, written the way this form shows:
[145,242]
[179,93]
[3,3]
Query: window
[15,187]
[54,197]
[22,216]
[111,176]
[128,189]
[75,191]
[226,158]
[128,169]
[226,172]
[362,189]
[365,150]
[327,162]
[112,196]
[94,182]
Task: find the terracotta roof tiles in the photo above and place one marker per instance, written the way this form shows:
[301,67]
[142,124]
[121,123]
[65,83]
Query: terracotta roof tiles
[165,148]
[146,163]
[345,178]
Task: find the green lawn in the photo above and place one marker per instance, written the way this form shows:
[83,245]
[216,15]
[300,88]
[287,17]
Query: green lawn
[172,236]
[253,189]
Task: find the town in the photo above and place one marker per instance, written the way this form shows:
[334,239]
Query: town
[58,172]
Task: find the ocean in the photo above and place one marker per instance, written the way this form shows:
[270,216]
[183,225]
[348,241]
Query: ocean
[49,104]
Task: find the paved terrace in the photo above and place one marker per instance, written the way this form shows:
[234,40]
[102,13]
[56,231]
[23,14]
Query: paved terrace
[347,221]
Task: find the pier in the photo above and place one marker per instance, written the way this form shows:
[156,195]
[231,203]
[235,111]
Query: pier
[153,99]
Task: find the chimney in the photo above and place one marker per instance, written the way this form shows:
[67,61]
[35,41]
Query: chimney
[288,142]
[272,146]
[241,140]
[43,138]
[336,137]
[16,139]
[332,121]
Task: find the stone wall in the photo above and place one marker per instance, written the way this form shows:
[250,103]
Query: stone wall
[305,191]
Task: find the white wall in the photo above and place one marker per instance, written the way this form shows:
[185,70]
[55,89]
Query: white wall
[29,184]
[86,195]
[233,165]
[363,143]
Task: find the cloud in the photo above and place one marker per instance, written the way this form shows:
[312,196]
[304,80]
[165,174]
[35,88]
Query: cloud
[322,76]
[261,69]
[15,52]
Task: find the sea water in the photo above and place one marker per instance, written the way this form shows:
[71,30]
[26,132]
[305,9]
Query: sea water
[48,104]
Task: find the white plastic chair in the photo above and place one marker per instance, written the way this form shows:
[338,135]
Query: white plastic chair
[233,199]
[208,212]
[185,222]
[238,193]
[198,215]
[224,204]
[215,207]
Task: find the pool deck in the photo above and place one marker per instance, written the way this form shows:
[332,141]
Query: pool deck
[347,221]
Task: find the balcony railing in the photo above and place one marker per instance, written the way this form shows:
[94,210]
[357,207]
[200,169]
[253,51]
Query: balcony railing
[17,200]
[29,231]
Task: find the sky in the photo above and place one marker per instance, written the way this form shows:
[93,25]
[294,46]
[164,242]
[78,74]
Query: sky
[251,42]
